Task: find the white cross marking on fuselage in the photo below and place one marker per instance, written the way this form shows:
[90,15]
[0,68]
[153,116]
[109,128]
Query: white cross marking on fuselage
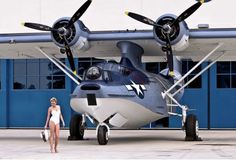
[137,87]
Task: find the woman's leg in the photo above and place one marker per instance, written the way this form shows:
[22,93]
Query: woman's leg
[52,133]
[57,130]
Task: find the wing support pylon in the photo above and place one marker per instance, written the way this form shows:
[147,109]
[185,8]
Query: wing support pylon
[61,66]
[169,95]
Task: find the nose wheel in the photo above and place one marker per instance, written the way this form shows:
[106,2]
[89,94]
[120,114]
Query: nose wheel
[102,134]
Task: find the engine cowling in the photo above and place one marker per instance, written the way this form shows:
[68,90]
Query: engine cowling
[76,35]
[179,34]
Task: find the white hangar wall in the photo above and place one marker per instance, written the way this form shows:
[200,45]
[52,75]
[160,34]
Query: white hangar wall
[109,14]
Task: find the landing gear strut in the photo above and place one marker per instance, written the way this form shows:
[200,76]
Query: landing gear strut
[103,132]
[189,122]
[76,128]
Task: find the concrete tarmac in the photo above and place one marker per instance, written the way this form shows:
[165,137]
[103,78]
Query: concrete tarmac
[123,144]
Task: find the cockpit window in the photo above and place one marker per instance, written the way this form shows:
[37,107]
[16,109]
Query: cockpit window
[106,76]
[93,73]
[124,70]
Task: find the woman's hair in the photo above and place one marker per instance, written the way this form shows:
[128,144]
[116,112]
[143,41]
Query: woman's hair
[53,99]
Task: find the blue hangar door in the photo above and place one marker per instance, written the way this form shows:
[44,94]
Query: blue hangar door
[3,94]
[223,95]
[195,96]
[30,85]
[212,97]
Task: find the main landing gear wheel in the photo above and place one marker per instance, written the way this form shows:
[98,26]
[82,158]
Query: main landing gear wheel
[191,128]
[76,128]
[102,134]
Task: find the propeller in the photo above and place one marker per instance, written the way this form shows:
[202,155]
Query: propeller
[167,29]
[142,19]
[38,26]
[69,56]
[63,31]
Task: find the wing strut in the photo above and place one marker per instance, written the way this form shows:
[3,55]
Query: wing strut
[202,71]
[190,71]
[58,65]
[62,64]
[175,103]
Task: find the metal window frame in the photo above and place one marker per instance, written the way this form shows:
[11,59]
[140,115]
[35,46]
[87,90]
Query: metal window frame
[38,75]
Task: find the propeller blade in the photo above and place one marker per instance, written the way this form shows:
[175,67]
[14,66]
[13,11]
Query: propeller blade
[142,19]
[78,13]
[169,55]
[187,13]
[69,56]
[38,26]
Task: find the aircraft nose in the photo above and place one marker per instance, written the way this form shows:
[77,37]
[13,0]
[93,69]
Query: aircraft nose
[90,87]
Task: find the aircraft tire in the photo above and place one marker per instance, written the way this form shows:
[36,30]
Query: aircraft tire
[76,128]
[102,135]
[191,128]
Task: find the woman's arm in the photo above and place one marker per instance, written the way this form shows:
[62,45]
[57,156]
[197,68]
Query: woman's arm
[49,112]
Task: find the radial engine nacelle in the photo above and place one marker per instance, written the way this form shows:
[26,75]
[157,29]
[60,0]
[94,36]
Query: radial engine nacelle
[76,35]
[179,34]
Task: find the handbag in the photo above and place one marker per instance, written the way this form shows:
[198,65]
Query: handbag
[44,135]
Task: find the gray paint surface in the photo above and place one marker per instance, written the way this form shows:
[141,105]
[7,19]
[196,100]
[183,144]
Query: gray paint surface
[124,144]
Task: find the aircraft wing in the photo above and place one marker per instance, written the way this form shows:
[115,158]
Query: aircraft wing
[102,44]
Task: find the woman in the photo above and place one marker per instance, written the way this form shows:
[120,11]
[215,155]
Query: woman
[54,124]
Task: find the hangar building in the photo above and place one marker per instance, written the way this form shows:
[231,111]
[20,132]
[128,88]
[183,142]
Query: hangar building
[26,85]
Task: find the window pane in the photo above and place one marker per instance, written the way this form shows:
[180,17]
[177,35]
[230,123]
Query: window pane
[46,82]
[197,83]
[19,82]
[32,60]
[186,80]
[233,67]
[33,82]
[96,61]
[223,81]
[188,65]
[33,68]
[152,67]
[163,65]
[19,61]
[58,82]
[223,67]
[19,67]
[56,70]
[83,66]
[184,67]
[233,81]
[191,64]
[45,68]
[37,74]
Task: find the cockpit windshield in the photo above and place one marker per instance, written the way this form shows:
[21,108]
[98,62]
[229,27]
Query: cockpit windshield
[114,73]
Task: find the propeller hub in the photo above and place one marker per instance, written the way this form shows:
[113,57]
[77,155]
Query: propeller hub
[167,29]
[62,31]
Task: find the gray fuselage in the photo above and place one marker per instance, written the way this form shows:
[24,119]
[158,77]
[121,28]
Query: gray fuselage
[121,95]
